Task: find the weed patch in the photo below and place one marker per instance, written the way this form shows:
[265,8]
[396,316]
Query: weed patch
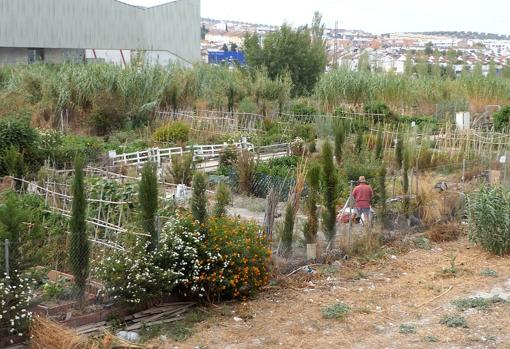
[423,243]
[476,303]
[489,272]
[454,321]
[335,311]
[407,329]
[431,339]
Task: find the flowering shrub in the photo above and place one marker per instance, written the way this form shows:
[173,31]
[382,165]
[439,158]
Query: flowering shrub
[242,267]
[134,276]
[225,259]
[15,296]
[183,250]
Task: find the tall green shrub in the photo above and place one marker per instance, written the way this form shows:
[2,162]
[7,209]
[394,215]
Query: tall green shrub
[502,118]
[382,188]
[339,130]
[199,198]
[399,152]
[311,226]
[182,168]
[405,183]
[329,179]
[148,200]
[12,219]
[359,140]
[379,145]
[79,249]
[223,198]
[489,219]
[288,230]
[16,135]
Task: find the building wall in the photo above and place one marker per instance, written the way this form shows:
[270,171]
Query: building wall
[102,24]
[13,55]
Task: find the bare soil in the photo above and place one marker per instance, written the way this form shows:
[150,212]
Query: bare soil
[411,288]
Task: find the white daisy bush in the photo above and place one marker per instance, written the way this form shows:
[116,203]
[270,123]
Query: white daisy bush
[16,293]
[133,276]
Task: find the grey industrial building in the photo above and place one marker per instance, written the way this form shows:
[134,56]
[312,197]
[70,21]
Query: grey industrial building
[56,31]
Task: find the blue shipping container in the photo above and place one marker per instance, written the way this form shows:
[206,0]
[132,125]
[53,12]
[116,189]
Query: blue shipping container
[229,57]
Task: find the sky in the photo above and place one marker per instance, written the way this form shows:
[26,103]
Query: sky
[375,16]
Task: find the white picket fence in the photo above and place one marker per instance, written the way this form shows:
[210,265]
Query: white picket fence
[206,157]
[158,155]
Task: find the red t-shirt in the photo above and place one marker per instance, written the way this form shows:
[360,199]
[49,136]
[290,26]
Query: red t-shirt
[363,195]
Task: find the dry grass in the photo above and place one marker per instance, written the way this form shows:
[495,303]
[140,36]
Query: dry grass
[388,291]
[362,244]
[48,334]
[445,232]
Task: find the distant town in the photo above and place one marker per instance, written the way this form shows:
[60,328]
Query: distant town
[462,51]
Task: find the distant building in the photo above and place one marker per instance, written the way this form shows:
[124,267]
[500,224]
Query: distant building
[56,31]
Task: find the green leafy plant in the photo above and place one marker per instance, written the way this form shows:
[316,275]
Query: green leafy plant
[54,289]
[452,269]
[423,243]
[19,142]
[379,110]
[336,311]
[502,118]
[489,222]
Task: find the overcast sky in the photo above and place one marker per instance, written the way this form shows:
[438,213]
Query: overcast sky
[376,16]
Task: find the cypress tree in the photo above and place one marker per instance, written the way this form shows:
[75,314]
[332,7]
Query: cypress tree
[382,188]
[223,198]
[198,198]
[148,200]
[359,140]
[399,151]
[379,146]
[339,141]
[329,192]
[405,184]
[311,226]
[79,250]
[288,230]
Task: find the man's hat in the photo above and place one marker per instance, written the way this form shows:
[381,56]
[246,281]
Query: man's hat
[362,179]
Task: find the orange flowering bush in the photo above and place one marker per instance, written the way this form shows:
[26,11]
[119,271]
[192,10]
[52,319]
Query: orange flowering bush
[243,266]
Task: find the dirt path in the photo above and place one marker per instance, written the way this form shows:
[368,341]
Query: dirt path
[383,295]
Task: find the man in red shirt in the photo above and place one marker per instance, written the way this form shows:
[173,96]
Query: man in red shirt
[362,195]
